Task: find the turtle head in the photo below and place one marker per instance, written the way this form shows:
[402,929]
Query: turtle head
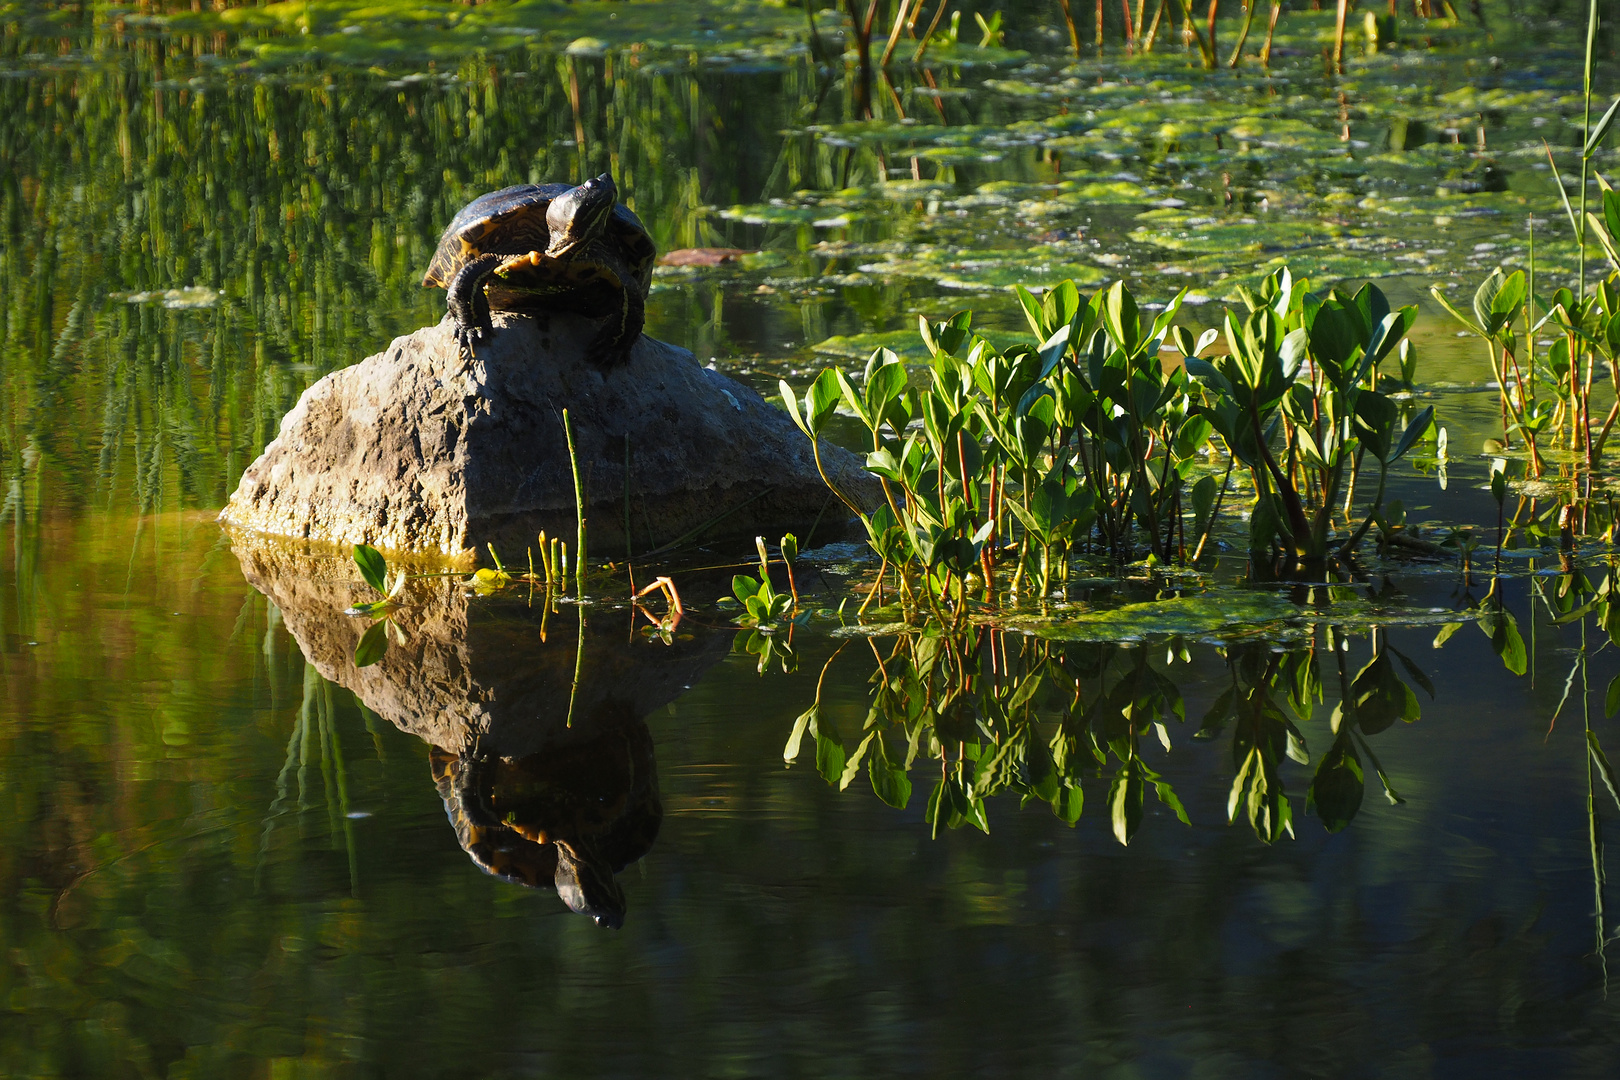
[585,883]
[580,215]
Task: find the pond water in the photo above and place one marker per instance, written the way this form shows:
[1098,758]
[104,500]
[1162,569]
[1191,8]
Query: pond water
[228,851]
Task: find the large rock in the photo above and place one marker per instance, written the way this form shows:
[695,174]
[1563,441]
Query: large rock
[424,448]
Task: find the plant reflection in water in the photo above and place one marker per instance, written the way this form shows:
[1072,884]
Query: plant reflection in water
[1005,712]
[540,752]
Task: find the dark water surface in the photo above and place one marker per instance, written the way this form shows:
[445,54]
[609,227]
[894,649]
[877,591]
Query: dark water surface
[226,851]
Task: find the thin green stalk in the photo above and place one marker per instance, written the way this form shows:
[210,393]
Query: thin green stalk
[579,665]
[1594,835]
[579,508]
[1190,25]
[1378,502]
[1243,34]
[1530,305]
[1338,37]
[342,771]
[900,12]
[1586,134]
[1271,30]
[1215,508]
[928,35]
[1153,28]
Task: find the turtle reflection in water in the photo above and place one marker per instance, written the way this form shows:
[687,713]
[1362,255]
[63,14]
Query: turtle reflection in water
[569,817]
[548,247]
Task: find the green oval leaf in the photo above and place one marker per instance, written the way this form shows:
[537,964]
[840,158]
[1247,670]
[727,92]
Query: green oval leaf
[373,567]
[373,643]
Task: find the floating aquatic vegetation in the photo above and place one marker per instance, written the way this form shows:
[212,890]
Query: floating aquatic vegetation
[990,270]
[904,343]
[194,296]
[387,31]
[1182,230]
[1227,614]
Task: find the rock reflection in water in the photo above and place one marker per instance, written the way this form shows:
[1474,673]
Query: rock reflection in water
[537,725]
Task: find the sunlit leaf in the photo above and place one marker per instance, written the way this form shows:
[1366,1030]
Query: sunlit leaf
[852,766]
[1125,802]
[790,754]
[1600,130]
[373,567]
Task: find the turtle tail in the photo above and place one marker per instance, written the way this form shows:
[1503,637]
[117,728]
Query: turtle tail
[469,309]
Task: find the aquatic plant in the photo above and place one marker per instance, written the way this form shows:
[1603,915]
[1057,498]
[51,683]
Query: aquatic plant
[1084,438]
[763,605]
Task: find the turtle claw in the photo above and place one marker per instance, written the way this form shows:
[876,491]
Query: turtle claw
[469,334]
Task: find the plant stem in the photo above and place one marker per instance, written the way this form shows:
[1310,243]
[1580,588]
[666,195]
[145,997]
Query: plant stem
[1271,30]
[1153,28]
[579,508]
[1586,133]
[1338,37]
[894,31]
[1068,20]
[1243,34]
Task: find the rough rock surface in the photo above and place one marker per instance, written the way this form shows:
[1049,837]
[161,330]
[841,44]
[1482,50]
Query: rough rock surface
[423,448]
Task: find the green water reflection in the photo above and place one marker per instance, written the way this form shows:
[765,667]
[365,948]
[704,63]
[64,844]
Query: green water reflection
[217,856]
[227,851]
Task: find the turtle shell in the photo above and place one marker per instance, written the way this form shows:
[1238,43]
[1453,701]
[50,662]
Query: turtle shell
[512,221]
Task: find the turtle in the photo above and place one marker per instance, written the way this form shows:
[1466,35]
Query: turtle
[548,247]
[569,817]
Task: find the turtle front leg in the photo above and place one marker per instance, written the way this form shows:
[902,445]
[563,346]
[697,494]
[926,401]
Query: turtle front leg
[469,309]
[612,343]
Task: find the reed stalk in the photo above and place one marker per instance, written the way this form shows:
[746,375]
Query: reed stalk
[1068,20]
[1153,28]
[579,508]
[1338,37]
[894,31]
[1271,30]
[939,13]
[1243,35]
[1586,136]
